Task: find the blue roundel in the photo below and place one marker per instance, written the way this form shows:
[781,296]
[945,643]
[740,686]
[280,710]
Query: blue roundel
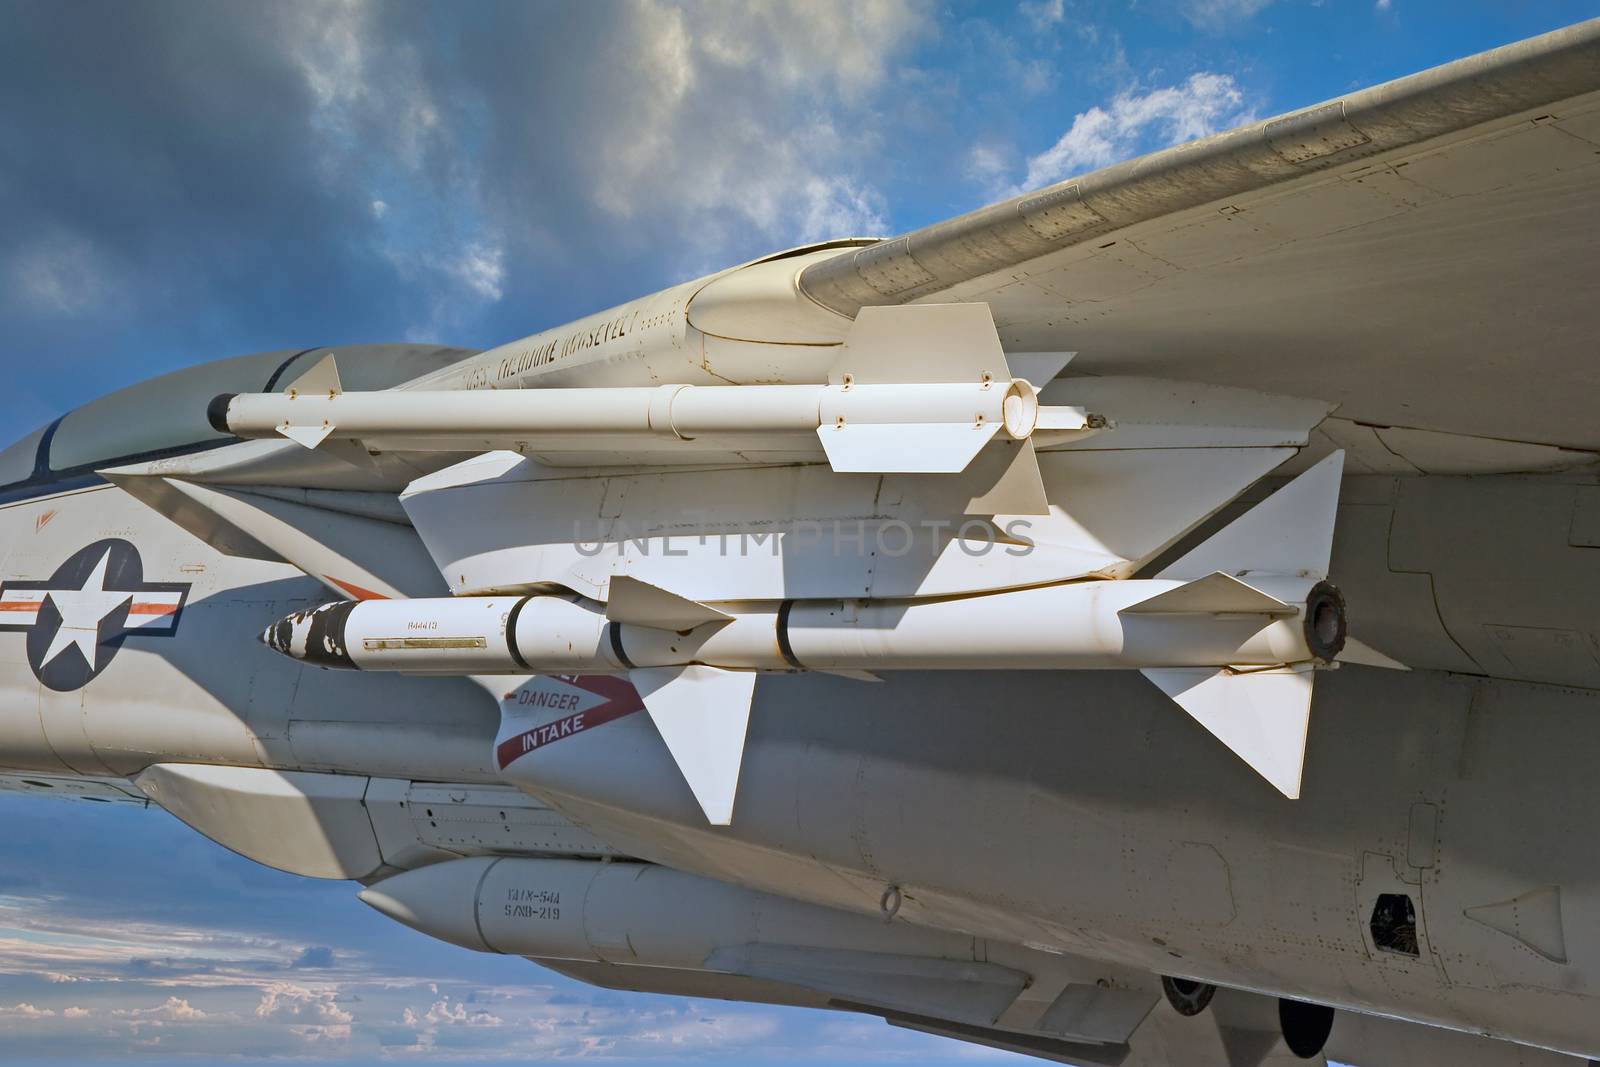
[78,618]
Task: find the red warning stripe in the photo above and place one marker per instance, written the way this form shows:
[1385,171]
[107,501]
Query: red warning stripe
[153,609]
[622,699]
[359,592]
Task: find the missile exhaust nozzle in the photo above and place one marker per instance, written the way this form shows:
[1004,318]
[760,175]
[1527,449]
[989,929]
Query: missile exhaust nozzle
[1325,622]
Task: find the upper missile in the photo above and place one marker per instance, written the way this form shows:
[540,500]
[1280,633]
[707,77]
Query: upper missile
[915,390]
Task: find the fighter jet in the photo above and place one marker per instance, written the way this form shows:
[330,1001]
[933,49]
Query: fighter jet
[1154,619]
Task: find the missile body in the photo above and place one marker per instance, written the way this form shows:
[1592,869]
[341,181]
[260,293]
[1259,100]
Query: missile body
[632,416]
[672,410]
[644,915]
[1099,625]
[613,912]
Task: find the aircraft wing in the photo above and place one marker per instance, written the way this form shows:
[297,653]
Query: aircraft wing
[1420,253]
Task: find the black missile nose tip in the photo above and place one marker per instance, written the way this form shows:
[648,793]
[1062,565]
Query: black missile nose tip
[277,636]
[217,412]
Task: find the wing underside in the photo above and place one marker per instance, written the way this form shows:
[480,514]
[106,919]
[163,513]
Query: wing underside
[1420,253]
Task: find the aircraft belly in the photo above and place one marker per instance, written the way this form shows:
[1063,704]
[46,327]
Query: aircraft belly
[1078,811]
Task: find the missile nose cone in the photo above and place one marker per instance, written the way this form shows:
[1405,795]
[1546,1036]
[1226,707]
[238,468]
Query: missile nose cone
[316,636]
[376,898]
[440,900]
[280,636]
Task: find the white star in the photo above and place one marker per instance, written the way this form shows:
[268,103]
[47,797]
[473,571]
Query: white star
[82,612]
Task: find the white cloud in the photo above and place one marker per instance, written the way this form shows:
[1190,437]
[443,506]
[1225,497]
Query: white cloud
[1203,104]
[1220,14]
[26,1011]
[285,1000]
[1385,5]
[378,118]
[729,126]
[482,269]
[62,274]
[175,1010]
[312,1014]
[1043,13]
[444,1013]
[75,1013]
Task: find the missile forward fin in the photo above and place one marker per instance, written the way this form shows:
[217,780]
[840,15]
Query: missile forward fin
[1215,594]
[1261,715]
[322,378]
[307,436]
[643,604]
[1291,532]
[701,714]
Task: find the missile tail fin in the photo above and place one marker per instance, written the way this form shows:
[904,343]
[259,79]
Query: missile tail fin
[701,714]
[1360,652]
[1039,368]
[1261,715]
[1291,532]
[1215,594]
[904,448]
[910,343]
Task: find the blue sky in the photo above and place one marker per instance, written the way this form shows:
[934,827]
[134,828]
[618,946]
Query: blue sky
[180,182]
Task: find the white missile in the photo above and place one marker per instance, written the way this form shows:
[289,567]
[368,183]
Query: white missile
[1214,609]
[605,912]
[642,914]
[1215,621]
[915,390]
[1232,632]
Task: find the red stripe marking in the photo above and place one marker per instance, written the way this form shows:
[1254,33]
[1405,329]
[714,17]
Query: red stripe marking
[622,699]
[19,605]
[355,590]
[153,609]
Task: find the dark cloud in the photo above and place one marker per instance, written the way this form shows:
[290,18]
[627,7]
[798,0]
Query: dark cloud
[162,192]
[171,966]
[181,181]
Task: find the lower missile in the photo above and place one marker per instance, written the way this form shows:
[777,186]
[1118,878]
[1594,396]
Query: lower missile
[639,914]
[1216,621]
[621,912]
